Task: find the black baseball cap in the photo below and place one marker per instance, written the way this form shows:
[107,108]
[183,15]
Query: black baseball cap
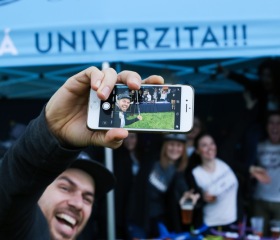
[124,95]
[175,137]
[103,177]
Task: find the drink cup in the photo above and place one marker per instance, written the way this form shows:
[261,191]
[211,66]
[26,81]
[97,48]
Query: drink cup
[257,224]
[275,229]
[187,212]
[275,232]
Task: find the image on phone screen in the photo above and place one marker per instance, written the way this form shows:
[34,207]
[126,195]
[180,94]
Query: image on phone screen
[150,107]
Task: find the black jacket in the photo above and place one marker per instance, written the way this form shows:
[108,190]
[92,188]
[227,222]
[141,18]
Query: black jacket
[117,120]
[28,167]
[139,204]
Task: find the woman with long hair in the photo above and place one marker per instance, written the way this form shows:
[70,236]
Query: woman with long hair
[217,182]
[157,190]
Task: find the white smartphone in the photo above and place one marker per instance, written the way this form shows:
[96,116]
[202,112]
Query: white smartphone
[152,108]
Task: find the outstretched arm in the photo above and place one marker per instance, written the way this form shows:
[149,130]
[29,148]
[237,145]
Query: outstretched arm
[66,112]
[37,157]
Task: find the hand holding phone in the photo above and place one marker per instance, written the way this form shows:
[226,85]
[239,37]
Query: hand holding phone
[152,108]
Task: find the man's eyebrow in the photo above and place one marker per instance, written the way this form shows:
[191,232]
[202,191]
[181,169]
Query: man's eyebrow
[65,178]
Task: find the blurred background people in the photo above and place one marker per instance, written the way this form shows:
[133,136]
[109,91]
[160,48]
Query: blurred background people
[127,160]
[264,93]
[157,190]
[266,170]
[217,183]
[261,96]
[198,127]
[16,130]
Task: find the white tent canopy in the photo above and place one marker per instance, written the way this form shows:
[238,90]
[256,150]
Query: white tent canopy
[54,33]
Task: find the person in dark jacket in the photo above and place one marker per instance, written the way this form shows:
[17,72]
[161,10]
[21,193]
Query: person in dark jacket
[157,190]
[261,96]
[40,167]
[127,163]
[264,93]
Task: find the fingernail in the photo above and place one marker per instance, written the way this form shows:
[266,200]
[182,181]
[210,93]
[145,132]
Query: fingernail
[106,91]
[136,81]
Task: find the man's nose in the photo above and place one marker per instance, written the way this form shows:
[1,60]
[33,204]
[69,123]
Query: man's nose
[76,200]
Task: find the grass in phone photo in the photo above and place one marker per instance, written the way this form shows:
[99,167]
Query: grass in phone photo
[159,120]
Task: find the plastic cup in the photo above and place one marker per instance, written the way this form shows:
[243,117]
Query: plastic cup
[275,232]
[257,226]
[187,212]
[275,229]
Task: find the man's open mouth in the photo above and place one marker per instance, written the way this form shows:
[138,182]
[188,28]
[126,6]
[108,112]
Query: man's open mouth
[66,219]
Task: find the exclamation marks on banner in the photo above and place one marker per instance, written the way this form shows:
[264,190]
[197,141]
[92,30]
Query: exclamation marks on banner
[244,32]
[234,35]
[225,35]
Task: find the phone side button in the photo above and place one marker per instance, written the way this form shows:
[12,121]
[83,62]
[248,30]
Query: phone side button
[186,107]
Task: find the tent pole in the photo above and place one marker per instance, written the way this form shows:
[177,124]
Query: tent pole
[110,199]
[110,196]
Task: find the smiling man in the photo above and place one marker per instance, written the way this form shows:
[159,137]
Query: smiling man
[120,116]
[46,188]
[67,202]
[65,206]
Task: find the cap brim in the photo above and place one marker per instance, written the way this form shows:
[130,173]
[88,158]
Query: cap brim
[175,137]
[103,178]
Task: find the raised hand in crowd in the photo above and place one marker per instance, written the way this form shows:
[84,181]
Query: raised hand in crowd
[260,174]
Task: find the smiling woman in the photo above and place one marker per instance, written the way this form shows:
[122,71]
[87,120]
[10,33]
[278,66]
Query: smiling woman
[157,190]
[218,184]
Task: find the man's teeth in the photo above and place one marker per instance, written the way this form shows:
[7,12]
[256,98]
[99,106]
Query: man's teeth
[67,218]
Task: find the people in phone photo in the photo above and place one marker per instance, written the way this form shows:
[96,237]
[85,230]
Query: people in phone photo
[127,109]
[149,96]
[163,94]
[120,118]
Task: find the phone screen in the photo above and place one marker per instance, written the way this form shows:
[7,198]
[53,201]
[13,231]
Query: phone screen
[150,107]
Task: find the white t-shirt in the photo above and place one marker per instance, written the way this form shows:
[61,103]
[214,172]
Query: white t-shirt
[223,184]
[269,158]
[121,116]
[163,95]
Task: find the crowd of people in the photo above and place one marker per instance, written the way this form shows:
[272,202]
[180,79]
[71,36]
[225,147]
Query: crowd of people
[51,188]
[152,95]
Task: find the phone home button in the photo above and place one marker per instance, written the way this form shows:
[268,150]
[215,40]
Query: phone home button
[106,106]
